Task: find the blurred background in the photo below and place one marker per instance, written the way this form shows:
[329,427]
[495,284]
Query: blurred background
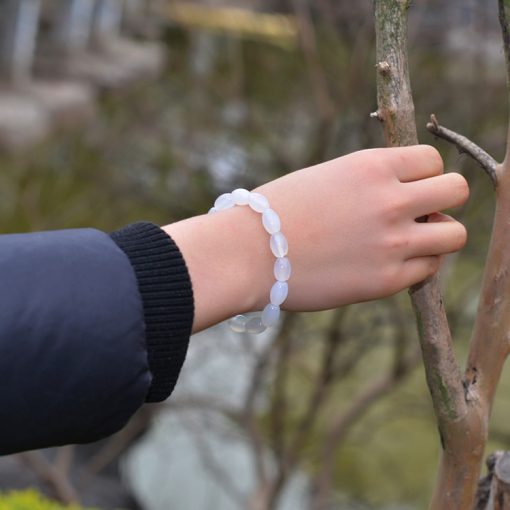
[113,111]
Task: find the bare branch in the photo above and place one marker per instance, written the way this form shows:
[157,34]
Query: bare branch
[462,406]
[322,387]
[115,446]
[64,459]
[360,403]
[396,110]
[278,413]
[49,474]
[465,145]
[494,489]
[211,462]
[249,418]
[441,368]
[308,41]
[503,8]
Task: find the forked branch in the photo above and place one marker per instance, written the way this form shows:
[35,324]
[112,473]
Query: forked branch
[460,418]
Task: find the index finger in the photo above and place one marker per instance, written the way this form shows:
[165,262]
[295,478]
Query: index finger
[417,162]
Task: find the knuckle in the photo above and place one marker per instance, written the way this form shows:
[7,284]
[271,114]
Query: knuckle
[396,242]
[395,207]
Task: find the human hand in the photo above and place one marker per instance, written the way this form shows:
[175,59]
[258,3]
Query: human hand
[350,224]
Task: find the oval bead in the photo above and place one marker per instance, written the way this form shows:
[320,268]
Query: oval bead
[279,293]
[271,221]
[279,245]
[212,210]
[255,326]
[224,202]
[258,202]
[282,269]
[238,323]
[270,315]
[241,196]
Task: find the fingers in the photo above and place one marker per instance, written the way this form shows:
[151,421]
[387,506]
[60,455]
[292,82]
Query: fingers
[436,193]
[439,217]
[418,269]
[417,162]
[442,234]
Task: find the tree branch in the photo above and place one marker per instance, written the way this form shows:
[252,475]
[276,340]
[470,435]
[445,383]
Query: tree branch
[359,405]
[49,474]
[396,111]
[308,42]
[465,145]
[503,9]
[459,406]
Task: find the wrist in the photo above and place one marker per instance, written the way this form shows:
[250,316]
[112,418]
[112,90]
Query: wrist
[229,262]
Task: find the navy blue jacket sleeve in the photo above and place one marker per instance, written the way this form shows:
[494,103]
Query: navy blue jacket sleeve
[91,326]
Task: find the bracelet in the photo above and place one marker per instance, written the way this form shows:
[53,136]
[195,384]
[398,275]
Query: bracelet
[279,247]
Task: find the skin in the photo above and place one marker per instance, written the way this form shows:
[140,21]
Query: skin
[352,232]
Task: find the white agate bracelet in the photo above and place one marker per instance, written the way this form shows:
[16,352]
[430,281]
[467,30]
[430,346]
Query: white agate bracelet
[279,247]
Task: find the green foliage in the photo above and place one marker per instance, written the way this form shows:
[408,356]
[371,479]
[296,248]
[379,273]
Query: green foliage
[32,500]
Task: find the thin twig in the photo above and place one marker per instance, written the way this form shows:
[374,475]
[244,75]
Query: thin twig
[115,446]
[279,407]
[211,460]
[465,145]
[249,413]
[360,403]
[322,389]
[308,41]
[64,459]
[49,474]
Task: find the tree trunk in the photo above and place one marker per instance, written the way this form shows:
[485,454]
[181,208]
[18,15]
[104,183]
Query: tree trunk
[462,404]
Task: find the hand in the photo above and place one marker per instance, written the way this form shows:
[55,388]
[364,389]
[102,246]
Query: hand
[351,227]
[350,224]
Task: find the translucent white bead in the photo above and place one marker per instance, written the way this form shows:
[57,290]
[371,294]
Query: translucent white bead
[258,202]
[238,323]
[279,293]
[224,202]
[270,315]
[271,221]
[241,196]
[279,245]
[282,269]
[255,326]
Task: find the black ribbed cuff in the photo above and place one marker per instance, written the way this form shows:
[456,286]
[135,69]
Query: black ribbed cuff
[167,296]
